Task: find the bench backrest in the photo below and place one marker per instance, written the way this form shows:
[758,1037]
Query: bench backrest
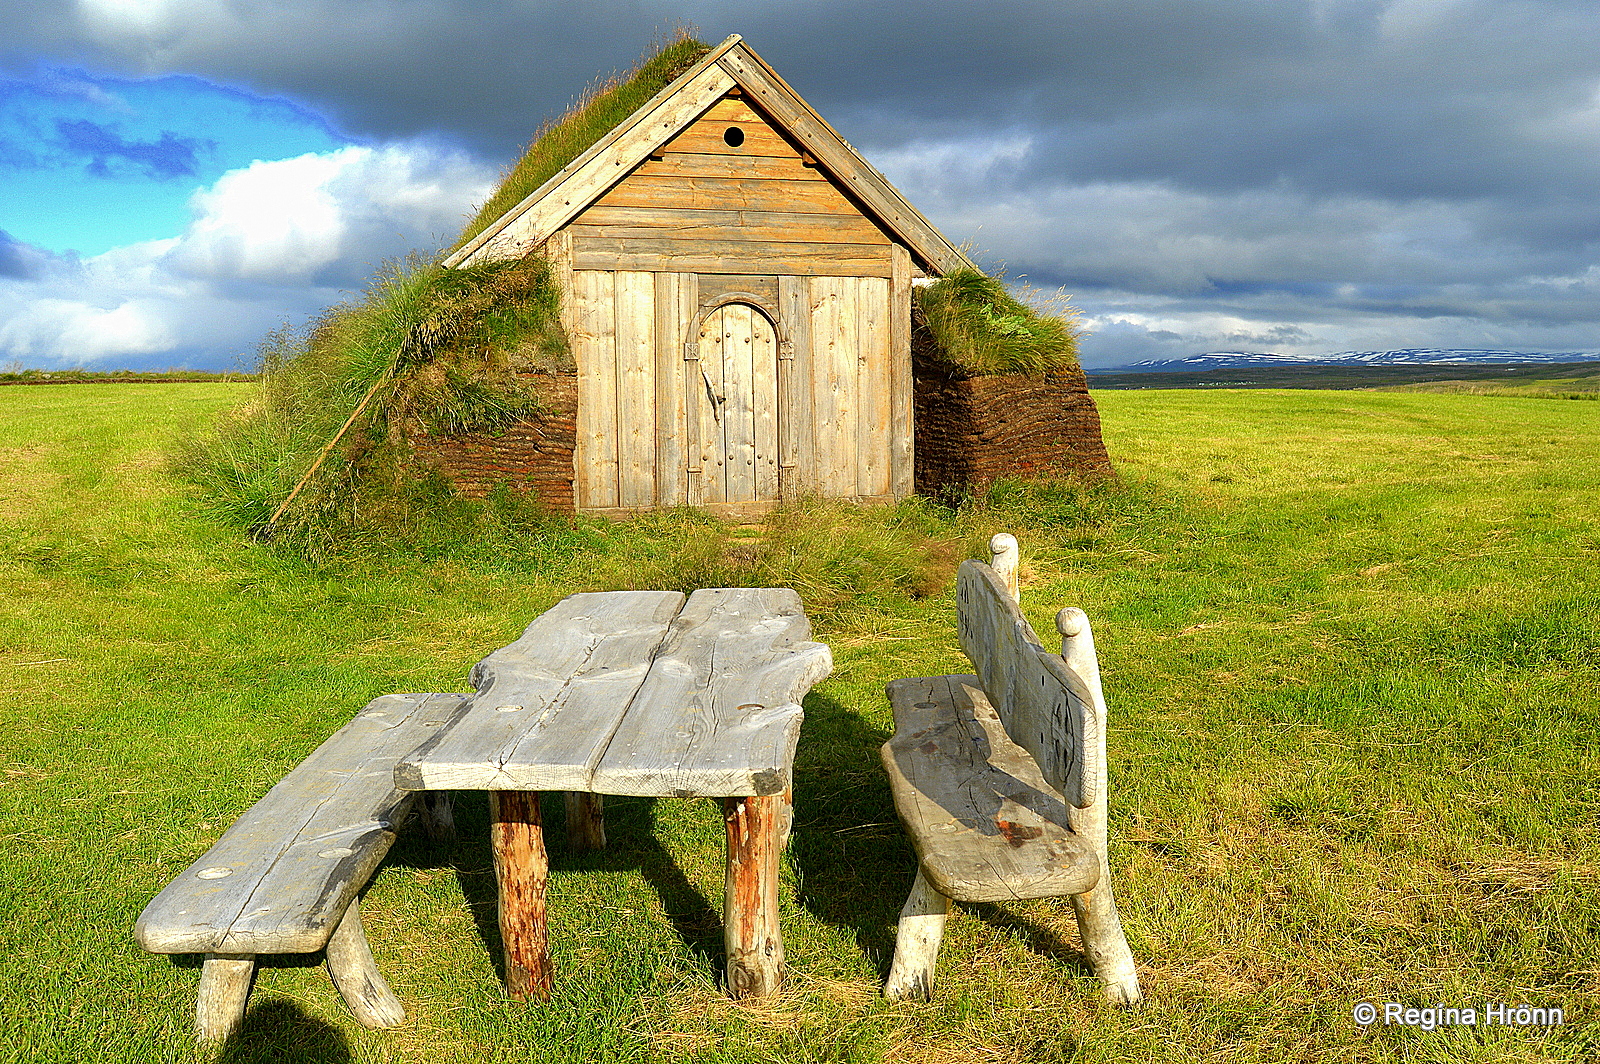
[1048,707]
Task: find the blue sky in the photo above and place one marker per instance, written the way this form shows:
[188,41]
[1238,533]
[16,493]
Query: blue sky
[177,177]
[92,162]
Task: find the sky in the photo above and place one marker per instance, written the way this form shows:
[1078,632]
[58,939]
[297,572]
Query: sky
[179,177]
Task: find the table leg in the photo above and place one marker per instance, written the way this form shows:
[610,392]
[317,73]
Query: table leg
[586,821]
[521,868]
[750,911]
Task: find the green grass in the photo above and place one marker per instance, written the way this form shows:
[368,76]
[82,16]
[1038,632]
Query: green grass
[1349,641]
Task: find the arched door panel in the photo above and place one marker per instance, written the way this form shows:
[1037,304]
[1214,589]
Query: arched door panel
[735,407]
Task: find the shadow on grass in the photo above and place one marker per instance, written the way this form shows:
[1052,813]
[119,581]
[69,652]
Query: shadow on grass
[1044,942]
[631,844]
[855,863]
[279,1031]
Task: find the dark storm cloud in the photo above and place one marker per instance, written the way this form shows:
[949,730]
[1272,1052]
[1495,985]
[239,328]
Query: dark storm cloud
[107,151]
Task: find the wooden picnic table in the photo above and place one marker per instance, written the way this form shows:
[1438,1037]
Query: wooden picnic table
[637,693]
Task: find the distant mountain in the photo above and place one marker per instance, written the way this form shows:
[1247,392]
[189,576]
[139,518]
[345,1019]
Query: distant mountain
[1409,356]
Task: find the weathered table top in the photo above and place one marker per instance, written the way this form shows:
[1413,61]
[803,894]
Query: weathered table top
[636,693]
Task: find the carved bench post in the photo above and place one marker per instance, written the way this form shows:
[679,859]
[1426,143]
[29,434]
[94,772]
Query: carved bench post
[1099,926]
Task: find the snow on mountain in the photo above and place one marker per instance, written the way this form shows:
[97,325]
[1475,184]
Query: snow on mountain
[1409,356]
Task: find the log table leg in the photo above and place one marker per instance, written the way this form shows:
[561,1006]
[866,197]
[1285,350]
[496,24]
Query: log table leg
[750,911]
[521,868]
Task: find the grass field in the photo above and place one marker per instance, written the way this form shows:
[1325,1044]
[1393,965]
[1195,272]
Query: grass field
[1351,645]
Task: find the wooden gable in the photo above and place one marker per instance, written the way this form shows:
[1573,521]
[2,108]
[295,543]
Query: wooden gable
[730,194]
[671,155]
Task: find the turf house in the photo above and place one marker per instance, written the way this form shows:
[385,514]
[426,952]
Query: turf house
[737,294]
[689,291]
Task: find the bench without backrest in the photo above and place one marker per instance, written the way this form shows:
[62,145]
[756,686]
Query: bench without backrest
[1000,780]
[285,877]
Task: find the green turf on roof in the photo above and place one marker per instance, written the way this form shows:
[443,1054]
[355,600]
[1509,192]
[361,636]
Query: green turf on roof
[980,329]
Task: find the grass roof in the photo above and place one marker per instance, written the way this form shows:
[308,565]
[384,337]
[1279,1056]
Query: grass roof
[423,349]
[979,329]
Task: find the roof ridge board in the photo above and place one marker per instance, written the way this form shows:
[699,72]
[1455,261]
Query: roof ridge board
[614,134]
[765,69]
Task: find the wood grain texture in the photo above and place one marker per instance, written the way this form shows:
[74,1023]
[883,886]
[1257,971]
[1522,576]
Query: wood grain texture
[719,713]
[739,329]
[225,982]
[707,393]
[594,349]
[629,223]
[734,255]
[797,447]
[764,411]
[708,134]
[872,386]
[916,943]
[1046,707]
[785,195]
[521,872]
[282,876]
[984,822]
[355,974]
[777,168]
[902,459]
[1099,925]
[674,310]
[634,299]
[586,821]
[548,703]
[751,932]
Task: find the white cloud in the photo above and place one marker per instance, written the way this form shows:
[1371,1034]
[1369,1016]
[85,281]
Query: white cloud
[273,241]
[289,222]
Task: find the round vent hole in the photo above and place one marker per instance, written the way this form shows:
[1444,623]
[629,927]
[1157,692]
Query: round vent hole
[733,136]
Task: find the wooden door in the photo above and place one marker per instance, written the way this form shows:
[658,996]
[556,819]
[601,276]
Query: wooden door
[735,405]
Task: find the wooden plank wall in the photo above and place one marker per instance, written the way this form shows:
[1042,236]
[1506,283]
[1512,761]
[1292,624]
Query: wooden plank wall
[647,435]
[848,390]
[628,343]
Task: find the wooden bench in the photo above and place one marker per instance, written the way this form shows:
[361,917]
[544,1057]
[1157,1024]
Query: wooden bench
[1000,780]
[285,877]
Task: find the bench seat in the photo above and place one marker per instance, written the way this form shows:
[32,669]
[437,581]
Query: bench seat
[284,877]
[983,821]
[1000,780]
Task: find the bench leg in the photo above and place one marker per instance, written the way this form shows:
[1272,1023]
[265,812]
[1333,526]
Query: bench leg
[916,944]
[355,974]
[521,868]
[751,933]
[586,821]
[436,810]
[1103,941]
[225,983]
